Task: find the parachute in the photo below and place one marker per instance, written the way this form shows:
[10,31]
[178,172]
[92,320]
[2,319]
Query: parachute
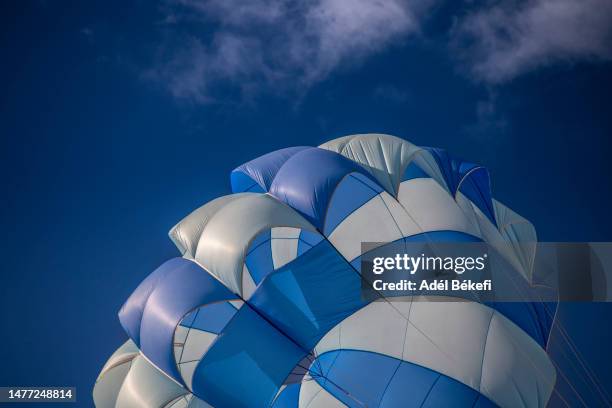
[263,308]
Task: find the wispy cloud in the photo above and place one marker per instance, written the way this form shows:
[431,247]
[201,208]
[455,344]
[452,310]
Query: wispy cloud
[490,120]
[282,45]
[388,93]
[506,39]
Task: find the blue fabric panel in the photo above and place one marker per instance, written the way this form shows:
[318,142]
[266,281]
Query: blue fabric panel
[465,167]
[189,318]
[259,259]
[442,236]
[362,378]
[353,191]
[311,238]
[307,181]
[260,239]
[303,247]
[409,387]
[307,240]
[484,402]
[357,378]
[213,317]
[448,167]
[356,263]
[289,397]
[310,295]
[447,392]
[131,312]
[242,182]
[263,169]
[239,373]
[477,187]
[414,171]
[453,170]
[183,287]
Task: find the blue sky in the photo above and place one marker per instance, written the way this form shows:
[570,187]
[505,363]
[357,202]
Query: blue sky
[119,118]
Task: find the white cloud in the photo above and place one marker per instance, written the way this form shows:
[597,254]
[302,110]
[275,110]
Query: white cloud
[281,44]
[506,39]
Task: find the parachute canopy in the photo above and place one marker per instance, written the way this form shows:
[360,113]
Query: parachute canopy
[264,309]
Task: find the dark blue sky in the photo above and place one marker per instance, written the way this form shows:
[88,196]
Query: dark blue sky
[107,139]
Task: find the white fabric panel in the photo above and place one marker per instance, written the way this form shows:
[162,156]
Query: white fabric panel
[248,284]
[284,245]
[403,220]
[195,402]
[112,375]
[372,222]
[127,351]
[449,338]
[331,340]
[196,344]
[187,370]
[236,303]
[285,233]
[109,383]
[308,390]
[520,232]
[180,402]
[227,235]
[454,338]
[180,334]
[284,250]
[177,352]
[312,395]
[384,156]
[145,386]
[514,252]
[468,210]
[429,165]
[187,232]
[336,145]
[129,380]
[188,401]
[378,327]
[488,231]
[324,399]
[515,370]
[520,255]
[432,208]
